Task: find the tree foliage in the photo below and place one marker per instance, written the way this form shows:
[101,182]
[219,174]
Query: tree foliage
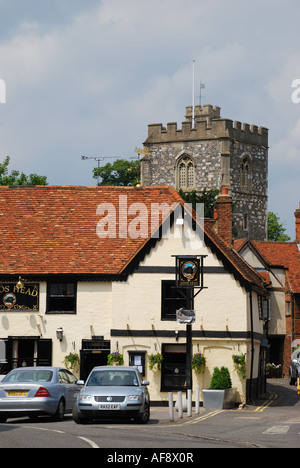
[207,197]
[121,173]
[17,177]
[276,232]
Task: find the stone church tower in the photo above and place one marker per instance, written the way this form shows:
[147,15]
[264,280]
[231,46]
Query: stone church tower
[214,154]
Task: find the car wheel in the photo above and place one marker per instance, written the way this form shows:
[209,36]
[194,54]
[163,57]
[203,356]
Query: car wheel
[60,412]
[144,417]
[292,381]
[77,416]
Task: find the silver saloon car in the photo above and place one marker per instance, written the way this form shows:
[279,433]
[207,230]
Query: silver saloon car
[113,392]
[34,391]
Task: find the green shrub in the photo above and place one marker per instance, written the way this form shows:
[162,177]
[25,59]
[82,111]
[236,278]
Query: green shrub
[220,379]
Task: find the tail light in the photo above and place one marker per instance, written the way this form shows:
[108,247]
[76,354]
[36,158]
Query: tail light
[42,393]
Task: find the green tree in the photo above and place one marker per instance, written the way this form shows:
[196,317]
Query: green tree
[276,232]
[121,172]
[207,197]
[17,178]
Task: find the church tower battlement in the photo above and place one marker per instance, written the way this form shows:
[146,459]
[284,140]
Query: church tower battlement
[215,153]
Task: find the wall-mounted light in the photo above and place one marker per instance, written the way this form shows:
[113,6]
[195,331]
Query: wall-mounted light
[59,334]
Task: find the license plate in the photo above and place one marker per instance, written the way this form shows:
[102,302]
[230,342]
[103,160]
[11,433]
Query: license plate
[109,407]
[16,393]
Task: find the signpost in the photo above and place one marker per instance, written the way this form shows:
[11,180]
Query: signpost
[189,276]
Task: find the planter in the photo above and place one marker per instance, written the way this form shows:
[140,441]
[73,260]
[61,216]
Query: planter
[219,399]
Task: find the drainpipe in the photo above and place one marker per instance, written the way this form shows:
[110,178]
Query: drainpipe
[252,345]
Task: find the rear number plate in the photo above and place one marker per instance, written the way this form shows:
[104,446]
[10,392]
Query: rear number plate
[109,407]
[16,393]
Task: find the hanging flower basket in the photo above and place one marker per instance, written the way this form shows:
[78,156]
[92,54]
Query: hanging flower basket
[155,361]
[115,359]
[198,363]
[273,370]
[71,360]
[239,362]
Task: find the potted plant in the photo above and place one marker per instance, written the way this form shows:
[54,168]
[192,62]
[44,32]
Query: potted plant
[239,362]
[155,361]
[115,359]
[198,363]
[71,360]
[272,370]
[220,394]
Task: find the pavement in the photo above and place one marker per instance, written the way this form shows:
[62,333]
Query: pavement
[161,414]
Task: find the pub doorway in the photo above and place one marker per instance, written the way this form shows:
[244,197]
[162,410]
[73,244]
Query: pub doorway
[94,353]
[28,351]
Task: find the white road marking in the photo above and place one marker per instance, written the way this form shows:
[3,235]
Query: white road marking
[90,442]
[277,430]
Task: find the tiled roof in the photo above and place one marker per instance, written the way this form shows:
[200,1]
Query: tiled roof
[48,230]
[282,254]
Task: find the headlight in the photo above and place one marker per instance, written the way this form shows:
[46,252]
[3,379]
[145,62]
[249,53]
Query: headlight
[135,398]
[85,397]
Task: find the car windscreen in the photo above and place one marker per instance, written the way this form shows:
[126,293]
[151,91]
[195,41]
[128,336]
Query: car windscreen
[24,375]
[113,378]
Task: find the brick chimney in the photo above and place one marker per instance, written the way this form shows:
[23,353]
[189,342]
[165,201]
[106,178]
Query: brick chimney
[223,216]
[297,216]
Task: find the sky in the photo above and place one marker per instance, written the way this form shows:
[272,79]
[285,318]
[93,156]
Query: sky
[86,78]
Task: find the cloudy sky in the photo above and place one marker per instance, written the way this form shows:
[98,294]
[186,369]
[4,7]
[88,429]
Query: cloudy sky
[88,77]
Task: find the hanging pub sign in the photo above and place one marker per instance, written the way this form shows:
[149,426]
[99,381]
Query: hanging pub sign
[189,271]
[17,298]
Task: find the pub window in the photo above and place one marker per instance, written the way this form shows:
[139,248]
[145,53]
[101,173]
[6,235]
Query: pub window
[171,300]
[61,298]
[138,359]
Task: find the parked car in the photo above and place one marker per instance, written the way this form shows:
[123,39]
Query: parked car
[34,391]
[294,371]
[113,392]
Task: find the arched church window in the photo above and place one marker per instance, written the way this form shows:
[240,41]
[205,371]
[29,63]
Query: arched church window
[246,174]
[186,173]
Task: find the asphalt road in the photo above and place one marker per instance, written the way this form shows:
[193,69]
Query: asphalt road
[271,422]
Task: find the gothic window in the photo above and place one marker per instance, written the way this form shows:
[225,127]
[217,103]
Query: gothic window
[246,174]
[186,173]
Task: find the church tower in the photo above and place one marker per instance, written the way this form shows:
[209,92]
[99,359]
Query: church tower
[217,153]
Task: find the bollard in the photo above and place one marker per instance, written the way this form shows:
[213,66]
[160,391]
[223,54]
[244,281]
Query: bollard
[197,403]
[180,410]
[171,407]
[189,403]
[298,386]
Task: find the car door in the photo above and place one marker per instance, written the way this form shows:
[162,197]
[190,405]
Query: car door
[73,389]
[67,388]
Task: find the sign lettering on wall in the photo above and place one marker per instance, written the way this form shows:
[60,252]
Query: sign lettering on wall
[19,299]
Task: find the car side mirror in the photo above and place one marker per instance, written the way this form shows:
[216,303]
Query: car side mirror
[295,361]
[80,382]
[145,382]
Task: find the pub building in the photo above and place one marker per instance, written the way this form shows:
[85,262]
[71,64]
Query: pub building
[91,271]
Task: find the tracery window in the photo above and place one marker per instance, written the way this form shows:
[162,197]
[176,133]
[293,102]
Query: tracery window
[186,173]
[246,174]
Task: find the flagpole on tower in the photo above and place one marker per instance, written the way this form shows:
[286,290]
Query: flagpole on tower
[193,99]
